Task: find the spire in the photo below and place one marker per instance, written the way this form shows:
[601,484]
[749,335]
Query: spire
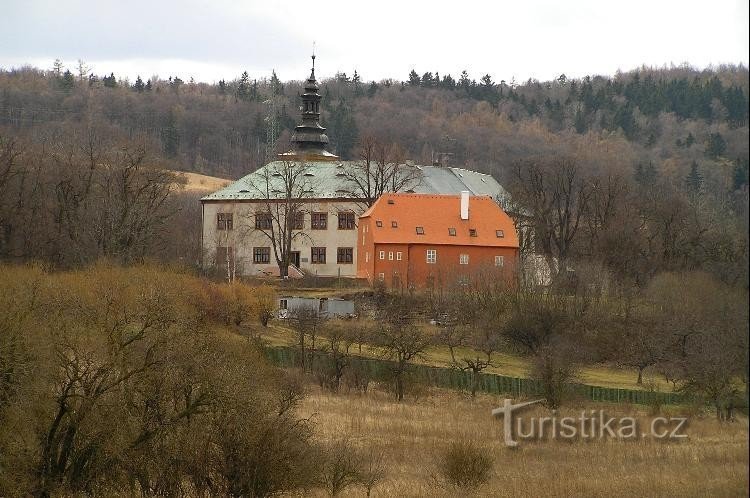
[309,136]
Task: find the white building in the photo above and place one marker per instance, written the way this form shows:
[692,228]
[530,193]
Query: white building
[233,218]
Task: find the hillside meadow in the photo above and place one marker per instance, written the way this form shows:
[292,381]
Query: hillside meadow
[411,436]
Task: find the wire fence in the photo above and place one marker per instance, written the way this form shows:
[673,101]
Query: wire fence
[452,378]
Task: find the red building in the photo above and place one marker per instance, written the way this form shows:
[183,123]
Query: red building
[425,240]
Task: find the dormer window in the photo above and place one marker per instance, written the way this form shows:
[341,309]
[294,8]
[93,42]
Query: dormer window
[391,201]
[499,234]
[472,232]
[394,224]
[452,232]
[420,230]
[379,224]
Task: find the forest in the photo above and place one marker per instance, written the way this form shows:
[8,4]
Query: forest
[655,159]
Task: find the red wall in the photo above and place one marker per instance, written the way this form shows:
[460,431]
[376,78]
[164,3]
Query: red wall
[413,268]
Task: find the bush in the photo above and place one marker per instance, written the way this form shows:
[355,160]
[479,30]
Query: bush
[340,467]
[464,465]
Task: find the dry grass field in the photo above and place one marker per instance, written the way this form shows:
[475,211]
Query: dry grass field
[195,182]
[713,461]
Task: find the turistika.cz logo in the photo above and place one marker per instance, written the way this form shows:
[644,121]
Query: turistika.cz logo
[590,424]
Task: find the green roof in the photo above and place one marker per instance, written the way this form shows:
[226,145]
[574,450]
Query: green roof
[328,180]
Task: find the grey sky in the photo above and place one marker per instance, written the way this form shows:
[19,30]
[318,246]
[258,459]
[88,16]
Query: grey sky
[210,40]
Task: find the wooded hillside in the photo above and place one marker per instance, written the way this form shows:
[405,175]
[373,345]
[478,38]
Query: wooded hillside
[649,168]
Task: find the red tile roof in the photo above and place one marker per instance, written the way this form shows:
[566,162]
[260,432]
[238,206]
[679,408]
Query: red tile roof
[436,214]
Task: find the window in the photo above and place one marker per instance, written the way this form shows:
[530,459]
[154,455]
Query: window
[432,256]
[398,256]
[420,230]
[382,254]
[379,223]
[381,276]
[499,234]
[367,257]
[299,221]
[263,221]
[222,253]
[261,255]
[345,255]
[499,260]
[472,232]
[346,221]
[224,221]
[283,304]
[319,221]
[318,255]
[390,255]
[463,259]
[452,232]
[394,224]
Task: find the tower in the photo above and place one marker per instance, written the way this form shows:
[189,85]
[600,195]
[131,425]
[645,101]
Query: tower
[309,138]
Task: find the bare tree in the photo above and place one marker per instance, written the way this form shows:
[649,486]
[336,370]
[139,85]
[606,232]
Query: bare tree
[556,196]
[284,188]
[400,337]
[380,169]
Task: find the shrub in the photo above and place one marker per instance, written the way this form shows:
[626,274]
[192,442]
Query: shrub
[464,465]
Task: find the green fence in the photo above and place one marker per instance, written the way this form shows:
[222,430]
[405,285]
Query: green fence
[490,383]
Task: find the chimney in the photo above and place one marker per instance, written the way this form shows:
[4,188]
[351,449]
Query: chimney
[465,205]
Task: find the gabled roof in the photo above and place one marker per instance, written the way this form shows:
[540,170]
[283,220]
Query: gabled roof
[328,182]
[436,214]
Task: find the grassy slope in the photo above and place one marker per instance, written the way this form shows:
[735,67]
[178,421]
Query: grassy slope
[506,364]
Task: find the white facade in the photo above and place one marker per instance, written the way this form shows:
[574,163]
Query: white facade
[243,238]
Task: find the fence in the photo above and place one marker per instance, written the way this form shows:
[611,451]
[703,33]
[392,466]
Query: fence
[489,383]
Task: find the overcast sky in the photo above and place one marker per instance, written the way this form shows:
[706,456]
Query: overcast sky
[211,40]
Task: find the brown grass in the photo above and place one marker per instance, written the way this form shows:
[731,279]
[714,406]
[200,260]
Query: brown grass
[712,462]
[195,182]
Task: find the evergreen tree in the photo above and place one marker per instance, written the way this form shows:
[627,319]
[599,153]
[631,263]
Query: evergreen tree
[357,82]
[740,174]
[175,83]
[448,82]
[254,95]
[139,86]
[645,175]
[624,119]
[579,121]
[170,136]
[276,87]
[222,87]
[67,82]
[464,81]
[243,87]
[737,106]
[148,86]
[690,140]
[427,79]
[343,129]
[716,145]
[372,89]
[694,180]
[110,81]
[414,79]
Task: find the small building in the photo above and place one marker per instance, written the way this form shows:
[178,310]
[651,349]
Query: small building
[324,307]
[423,240]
